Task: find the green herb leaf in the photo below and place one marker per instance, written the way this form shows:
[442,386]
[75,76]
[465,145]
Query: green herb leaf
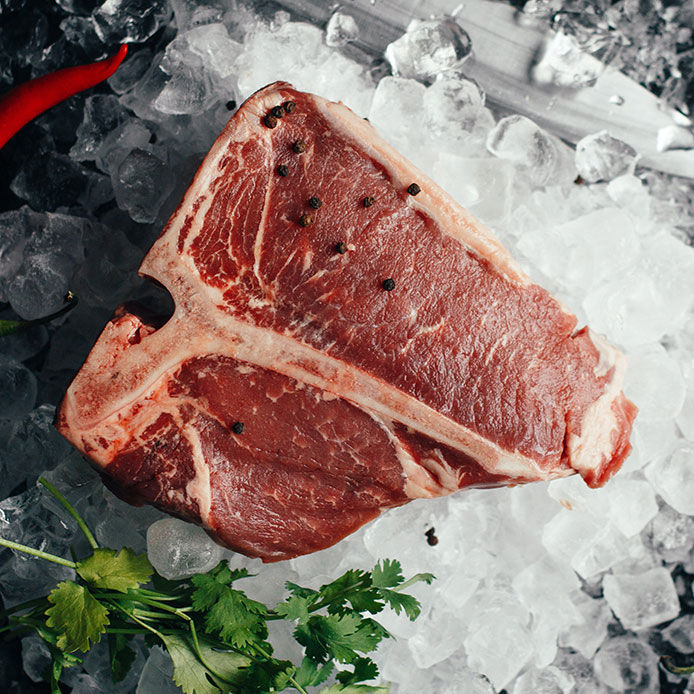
[355,689]
[121,656]
[339,589]
[311,674]
[336,636]
[8,327]
[229,612]
[192,675]
[293,609]
[302,592]
[121,571]
[387,574]
[364,669]
[400,602]
[76,615]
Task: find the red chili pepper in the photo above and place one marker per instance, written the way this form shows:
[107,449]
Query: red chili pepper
[23,103]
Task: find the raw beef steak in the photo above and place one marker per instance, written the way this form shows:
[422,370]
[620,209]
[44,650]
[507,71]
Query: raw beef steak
[343,342]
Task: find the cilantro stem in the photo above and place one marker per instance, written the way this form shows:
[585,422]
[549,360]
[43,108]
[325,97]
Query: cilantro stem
[72,511]
[22,606]
[411,581]
[38,553]
[295,684]
[135,619]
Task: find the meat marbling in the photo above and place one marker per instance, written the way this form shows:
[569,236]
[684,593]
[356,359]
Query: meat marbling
[293,396]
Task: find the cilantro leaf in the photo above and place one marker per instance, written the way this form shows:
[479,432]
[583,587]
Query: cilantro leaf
[121,571]
[364,669]
[76,615]
[400,602]
[302,592]
[192,676]
[228,612]
[336,636]
[121,656]
[311,674]
[293,609]
[387,574]
[355,689]
[340,589]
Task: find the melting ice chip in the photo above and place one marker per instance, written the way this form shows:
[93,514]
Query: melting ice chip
[674,137]
[522,142]
[341,30]
[130,20]
[563,63]
[626,664]
[601,157]
[178,549]
[428,48]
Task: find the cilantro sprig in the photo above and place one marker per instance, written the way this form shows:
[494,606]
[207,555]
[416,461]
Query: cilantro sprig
[216,635]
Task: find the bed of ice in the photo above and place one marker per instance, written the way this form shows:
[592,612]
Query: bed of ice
[544,589]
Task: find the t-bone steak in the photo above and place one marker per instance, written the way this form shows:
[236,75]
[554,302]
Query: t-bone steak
[343,342]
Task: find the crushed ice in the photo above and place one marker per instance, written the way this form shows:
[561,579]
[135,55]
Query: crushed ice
[547,588]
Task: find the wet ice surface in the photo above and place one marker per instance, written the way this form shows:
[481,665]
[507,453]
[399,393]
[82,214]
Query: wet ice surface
[550,588]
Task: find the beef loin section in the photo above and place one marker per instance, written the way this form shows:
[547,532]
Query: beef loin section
[343,341]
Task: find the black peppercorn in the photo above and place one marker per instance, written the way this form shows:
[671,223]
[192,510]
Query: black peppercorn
[305,220]
[368,201]
[288,106]
[270,121]
[238,427]
[315,202]
[299,146]
[431,537]
[231,105]
[413,189]
[389,284]
[282,170]
[341,247]
[277,111]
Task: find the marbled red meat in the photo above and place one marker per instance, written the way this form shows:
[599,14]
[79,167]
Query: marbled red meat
[295,394]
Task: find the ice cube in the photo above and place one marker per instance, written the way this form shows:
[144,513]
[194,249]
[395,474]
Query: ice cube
[581,671]
[562,63]
[588,635]
[18,388]
[598,245]
[499,649]
[36,658]
[670,534]
[481,185]
[131,71]
[157,674]
[212,44]
[438,635]
[549,680]
[41,285]
[673,477]
[627,665]
[428,48]
[601,157]
[680,634]
[102,114]
[141,184]
[452,105]
[396,109]
[130,21]
[188,92]
[540,156]
[644,600]
[178,549]
[341,29]
[654,383]
[312,67]
[49,181]
[632,505]
[15,228]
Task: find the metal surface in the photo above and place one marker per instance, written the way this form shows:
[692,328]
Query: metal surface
[505,46]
